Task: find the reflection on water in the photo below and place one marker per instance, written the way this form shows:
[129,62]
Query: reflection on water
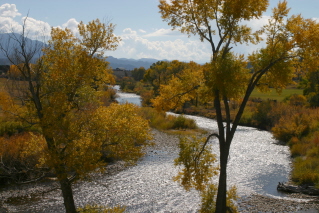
[127,97]
[256,165]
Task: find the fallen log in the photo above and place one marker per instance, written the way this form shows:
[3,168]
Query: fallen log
[304,189]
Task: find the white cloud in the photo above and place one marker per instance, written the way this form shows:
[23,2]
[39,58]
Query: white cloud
[35,29]
[257,24]
[137,46]
[168,44]
[164,32]
[71,24]
[128,33]
[316,19]
[159,44]
[9,10]
[8,25]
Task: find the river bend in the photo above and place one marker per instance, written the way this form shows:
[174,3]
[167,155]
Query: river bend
[256,165]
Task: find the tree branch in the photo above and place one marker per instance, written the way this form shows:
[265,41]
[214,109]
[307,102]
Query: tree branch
[204,145]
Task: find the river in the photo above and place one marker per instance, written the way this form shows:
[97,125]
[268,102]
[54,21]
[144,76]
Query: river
[256,165]
[127,97]
[257,162]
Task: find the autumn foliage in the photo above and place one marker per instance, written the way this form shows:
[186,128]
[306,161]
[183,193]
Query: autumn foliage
[61,99]
[289,42]
[300,131]
[22,157]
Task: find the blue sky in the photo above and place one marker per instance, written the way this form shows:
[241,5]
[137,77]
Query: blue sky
[138,22]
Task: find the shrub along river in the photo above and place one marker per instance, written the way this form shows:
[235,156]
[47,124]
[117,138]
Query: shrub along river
[256,165]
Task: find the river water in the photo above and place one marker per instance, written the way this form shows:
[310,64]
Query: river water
[127,97]
[257,162]
[256,165]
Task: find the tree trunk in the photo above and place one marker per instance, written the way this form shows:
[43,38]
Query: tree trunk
[224,152]
[221,206]
[67,195]
[62,176]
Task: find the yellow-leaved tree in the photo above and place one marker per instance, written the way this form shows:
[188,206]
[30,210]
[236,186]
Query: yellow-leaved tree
[289,41]
[63,91]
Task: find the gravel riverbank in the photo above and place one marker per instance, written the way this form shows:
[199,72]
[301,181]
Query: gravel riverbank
[259,203]
[30,198]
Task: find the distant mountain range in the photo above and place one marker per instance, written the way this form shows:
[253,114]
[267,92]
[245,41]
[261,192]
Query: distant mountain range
[9,42]
[128,64]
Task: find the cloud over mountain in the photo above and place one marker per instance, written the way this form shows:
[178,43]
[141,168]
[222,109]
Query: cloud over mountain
[135,45]
[138,41]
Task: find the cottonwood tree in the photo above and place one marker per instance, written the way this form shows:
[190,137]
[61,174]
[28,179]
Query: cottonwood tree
[221,23]
[63,91]
[138,73]
[160,72]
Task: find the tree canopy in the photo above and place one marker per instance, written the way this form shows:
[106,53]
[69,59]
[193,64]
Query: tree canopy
[290,42]
[62,98]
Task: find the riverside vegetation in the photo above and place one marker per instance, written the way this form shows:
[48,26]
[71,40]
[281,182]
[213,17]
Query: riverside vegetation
[23,151]
[228,81]
[55,116]
[291,116]
[61,105]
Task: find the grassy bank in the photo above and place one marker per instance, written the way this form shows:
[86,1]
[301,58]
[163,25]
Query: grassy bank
[273,95]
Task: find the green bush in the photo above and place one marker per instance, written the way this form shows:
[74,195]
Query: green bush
[302,132]
[296,100]
[155,118]
[181,122]
[161,121]
[246,118]
[298,147]
[10,128]
[306,171]
[261,117]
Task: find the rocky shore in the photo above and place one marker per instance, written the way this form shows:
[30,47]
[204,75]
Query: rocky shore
[15,199]
[297,203]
